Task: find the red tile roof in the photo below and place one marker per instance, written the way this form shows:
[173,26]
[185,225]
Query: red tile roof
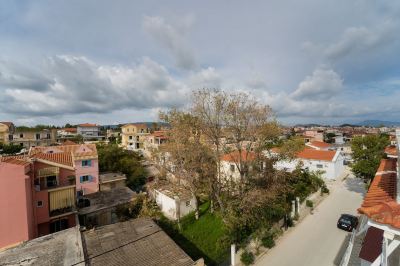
[87,125]
[320,155]
[60,158]
[68,142]
[18,160]
[391,150]
[319,144]
[387,165]
[372,245]
[70,129]
[234,156]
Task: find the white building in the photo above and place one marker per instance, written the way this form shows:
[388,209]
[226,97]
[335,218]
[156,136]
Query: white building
[175,201]
[330,162]
[89,130]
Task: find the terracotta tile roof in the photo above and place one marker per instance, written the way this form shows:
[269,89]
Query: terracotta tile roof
[234,156]
[68,142]
[77,150]
[387,165]
[70,129]
[391,150]
[17,160]
[320,155]
[63,158]
[319,144]
[372,244]
[87,125]
[160,134]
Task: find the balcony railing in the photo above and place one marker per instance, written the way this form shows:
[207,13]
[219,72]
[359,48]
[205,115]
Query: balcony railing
[48,171]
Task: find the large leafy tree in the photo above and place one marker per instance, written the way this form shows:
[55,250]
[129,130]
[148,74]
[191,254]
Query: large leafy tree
[367,154]
[115,159]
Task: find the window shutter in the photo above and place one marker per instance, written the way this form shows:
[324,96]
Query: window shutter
[89,162]
[90,178]
[81,179]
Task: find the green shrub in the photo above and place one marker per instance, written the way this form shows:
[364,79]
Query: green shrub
[309,203]
[268,240]
[324,190]
[247,258]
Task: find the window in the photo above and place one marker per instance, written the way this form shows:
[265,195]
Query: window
[51,181]
[130,137]
[187,203]
[86,178]
[232,168]
[86,163]
[58,225]
[37,135]
[21,135]
[39,203]
[319,165]
[48,136]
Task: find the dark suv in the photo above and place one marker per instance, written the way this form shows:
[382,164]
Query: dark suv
[347,222]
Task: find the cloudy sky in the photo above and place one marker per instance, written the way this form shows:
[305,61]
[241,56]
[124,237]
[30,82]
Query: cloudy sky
[110,62]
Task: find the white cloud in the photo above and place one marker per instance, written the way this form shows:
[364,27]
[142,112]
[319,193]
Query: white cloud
[322,84]
[172,38]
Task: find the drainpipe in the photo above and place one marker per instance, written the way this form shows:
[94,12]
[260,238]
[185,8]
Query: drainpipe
[233,253]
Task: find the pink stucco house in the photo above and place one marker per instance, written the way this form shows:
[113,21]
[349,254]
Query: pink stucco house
[38,192]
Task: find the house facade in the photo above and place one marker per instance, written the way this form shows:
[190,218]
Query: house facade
[134,136]
[39,190]
[331,163]
[34,137]
[89,131]
[6,132]
[380,216]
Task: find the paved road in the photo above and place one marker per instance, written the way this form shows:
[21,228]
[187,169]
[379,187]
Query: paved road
[316,241]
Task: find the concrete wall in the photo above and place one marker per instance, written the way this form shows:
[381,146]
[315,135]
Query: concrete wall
[16,219]
[169,208]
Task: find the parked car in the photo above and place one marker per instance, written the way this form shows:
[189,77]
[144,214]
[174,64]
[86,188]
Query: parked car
[347,222]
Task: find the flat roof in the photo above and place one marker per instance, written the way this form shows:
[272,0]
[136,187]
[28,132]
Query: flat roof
[109,177]
[61,248]
[139,242]
[107,199]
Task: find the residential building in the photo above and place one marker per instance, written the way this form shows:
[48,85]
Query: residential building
[153,141]
[313,135]
[100,208]
[89,131]
[6,132]
[69,132]
[39,190]
[33,137]
[174,200]
[230,164]
[380,227]
[331,163]
[134,135]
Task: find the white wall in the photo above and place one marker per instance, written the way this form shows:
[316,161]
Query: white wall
[169,208]
[332,169]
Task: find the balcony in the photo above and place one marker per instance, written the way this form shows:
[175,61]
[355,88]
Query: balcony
[62,200]
[48,171]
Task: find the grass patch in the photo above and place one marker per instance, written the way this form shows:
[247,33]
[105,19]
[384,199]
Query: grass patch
[203,238]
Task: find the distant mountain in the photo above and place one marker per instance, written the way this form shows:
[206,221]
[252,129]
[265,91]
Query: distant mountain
[376,123]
